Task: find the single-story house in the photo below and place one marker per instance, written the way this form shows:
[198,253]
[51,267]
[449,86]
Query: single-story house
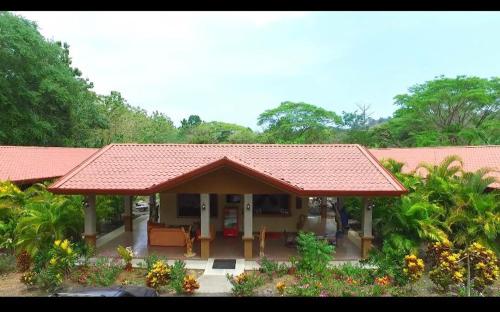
[25,165]
[200,182]
[473,157]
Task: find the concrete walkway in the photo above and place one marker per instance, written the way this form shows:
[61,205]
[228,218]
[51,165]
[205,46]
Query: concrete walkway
[214,282]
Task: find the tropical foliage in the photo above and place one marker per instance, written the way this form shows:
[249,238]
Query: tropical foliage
[444,202]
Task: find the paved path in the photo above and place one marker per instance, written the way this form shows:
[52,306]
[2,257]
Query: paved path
[214,282]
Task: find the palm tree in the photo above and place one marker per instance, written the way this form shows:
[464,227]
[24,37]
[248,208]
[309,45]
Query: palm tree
[414,218]
[48,217]
[476,214]
[441,182]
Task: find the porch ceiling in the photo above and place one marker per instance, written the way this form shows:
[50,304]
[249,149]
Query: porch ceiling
[305,170]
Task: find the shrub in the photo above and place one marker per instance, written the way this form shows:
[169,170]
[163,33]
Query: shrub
[62,259]
[158,275]
[382,281]
[280,287]
[29,278]
[62,256]
[447,268]
[190,284]
[23,261]
[245,284]
[126,254]
[177,274]
[306,286]
[7,263]
[272,268]
[49,280]
[484,266]
[389,262]
[103,273]
[414,267]
[353,273]
[152,259]
[314,254]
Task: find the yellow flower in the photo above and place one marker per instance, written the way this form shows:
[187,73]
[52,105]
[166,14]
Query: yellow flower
[57,242]
[53,261]
[64,244]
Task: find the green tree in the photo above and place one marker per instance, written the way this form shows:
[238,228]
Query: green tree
[126,123]
[298,123]
[220,132]
[43,100]
[192,121]
[448,111]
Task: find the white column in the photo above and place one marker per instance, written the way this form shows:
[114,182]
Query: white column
[366,218]
[90,216]
[248,216]
[205,215]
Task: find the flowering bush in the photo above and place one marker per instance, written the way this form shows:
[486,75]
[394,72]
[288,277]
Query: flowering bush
[435,251]
[383,281]
[280,287]
[448,270]
[414,267]
[62,256]
[62,259]
[28,278]
[483,264]
[244,284]
[158,276]
[190,284]
[126,254]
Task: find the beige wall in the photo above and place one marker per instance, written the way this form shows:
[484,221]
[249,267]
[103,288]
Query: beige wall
[226,181]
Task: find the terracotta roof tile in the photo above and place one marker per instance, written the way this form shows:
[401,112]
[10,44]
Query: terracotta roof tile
[29,164]
[473,157]
[146,168]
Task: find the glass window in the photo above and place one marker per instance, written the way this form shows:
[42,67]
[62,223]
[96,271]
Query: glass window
[271,204]
[188,205]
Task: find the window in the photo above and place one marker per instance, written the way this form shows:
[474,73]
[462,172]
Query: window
[298,202]
[271,204]
[188,205]
[233,198]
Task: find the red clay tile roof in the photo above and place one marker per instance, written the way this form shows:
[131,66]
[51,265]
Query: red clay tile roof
[473,157]
[30,164]
[141,169]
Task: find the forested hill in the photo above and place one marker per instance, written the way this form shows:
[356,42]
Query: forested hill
[45,101]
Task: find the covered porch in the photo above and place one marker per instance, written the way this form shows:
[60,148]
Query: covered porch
[347,247]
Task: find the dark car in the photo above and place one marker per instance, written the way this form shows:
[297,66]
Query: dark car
[120,291]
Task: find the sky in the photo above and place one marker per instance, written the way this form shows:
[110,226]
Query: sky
[232,66]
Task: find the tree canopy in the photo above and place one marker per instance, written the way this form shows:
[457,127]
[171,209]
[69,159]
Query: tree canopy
[46,101]
[43,100]
[298,123]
